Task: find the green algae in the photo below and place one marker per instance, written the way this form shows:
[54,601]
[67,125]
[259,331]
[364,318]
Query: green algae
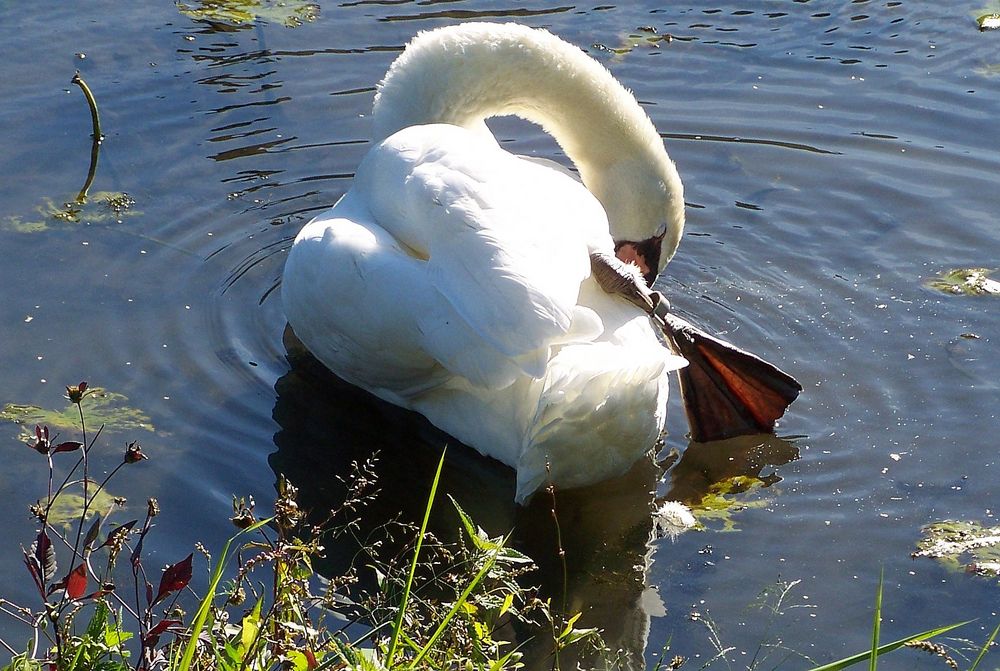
[965,282]
[101,208]
[970,547]
[101,407]
[288,13]
[718,506]
[68,507]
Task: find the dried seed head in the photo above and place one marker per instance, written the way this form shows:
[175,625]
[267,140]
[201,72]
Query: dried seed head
[41,444]
[243,512]
[237,597]
[152,507]
[76,392]
[133,453]
[37,510]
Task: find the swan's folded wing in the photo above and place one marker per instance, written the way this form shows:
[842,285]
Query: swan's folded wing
[505,241]
[510,254]
[365,307]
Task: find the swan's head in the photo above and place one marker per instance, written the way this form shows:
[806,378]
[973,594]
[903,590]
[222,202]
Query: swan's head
[644,200]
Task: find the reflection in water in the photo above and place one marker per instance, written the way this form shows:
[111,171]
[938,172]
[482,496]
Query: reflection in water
[604,530]
[706,464]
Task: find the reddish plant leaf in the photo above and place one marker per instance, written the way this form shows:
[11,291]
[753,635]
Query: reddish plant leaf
[152,637]
[136,557]
[92,533]
[76,582]
[41,561]
[98,594]
[311,659]
[36,575]
[45,556]
[68,446]
[175,578]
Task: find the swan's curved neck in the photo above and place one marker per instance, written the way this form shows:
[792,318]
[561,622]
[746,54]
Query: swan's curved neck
[465,74]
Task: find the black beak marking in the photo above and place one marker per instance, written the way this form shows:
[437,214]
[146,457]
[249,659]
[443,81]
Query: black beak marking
[649,250]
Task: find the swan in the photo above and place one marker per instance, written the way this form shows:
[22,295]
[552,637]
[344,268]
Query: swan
[454,278]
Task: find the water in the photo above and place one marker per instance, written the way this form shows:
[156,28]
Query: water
[835,155]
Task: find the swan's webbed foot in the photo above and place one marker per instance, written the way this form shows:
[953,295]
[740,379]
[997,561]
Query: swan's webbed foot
[727,391]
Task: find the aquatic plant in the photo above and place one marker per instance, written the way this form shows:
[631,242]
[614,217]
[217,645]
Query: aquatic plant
[966,282]
[108,409]
[101,207]
[289,13]
[962,546]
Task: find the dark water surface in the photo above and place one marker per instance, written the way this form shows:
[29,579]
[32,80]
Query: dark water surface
[835,155]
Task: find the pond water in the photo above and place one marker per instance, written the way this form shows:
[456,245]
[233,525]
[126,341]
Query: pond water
[835,157]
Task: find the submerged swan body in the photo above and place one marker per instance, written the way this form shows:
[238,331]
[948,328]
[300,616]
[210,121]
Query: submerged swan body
[453,278]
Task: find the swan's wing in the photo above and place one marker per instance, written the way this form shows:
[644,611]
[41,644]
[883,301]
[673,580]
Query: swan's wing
[364,306]
[505,241]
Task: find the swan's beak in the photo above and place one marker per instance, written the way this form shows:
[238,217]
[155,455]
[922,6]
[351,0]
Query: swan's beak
[645,255]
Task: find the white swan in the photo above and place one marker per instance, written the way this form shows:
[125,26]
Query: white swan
[453,278]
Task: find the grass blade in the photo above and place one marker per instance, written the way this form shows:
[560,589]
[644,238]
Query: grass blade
[876,621]
[986,647]
[888,647]
[398,625]
[454,609]
[206,603]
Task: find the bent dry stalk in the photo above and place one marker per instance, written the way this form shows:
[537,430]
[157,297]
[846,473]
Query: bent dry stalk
[98,136]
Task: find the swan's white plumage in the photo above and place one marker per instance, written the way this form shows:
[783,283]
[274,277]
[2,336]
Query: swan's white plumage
[454,279]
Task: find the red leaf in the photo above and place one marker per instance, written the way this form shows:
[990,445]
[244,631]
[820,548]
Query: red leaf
[152,637]
[82,386]
[45,556]
[36,575]
[311,662]
[68,446]
[76,582]
[175,578]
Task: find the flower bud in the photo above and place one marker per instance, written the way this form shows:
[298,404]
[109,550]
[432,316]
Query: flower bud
[133,453]
[76,392]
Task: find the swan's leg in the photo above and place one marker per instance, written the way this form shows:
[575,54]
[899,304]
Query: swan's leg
[727,391]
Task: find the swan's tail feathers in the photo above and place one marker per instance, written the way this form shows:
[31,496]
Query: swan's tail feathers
[727,391]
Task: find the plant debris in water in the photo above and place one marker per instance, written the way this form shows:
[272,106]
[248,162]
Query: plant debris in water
[68,507]
[643,36]
[289,13]
[988,21]
[962,546]
[966,282]
[717,507]
[101,208]
[672,519]
[103,407]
